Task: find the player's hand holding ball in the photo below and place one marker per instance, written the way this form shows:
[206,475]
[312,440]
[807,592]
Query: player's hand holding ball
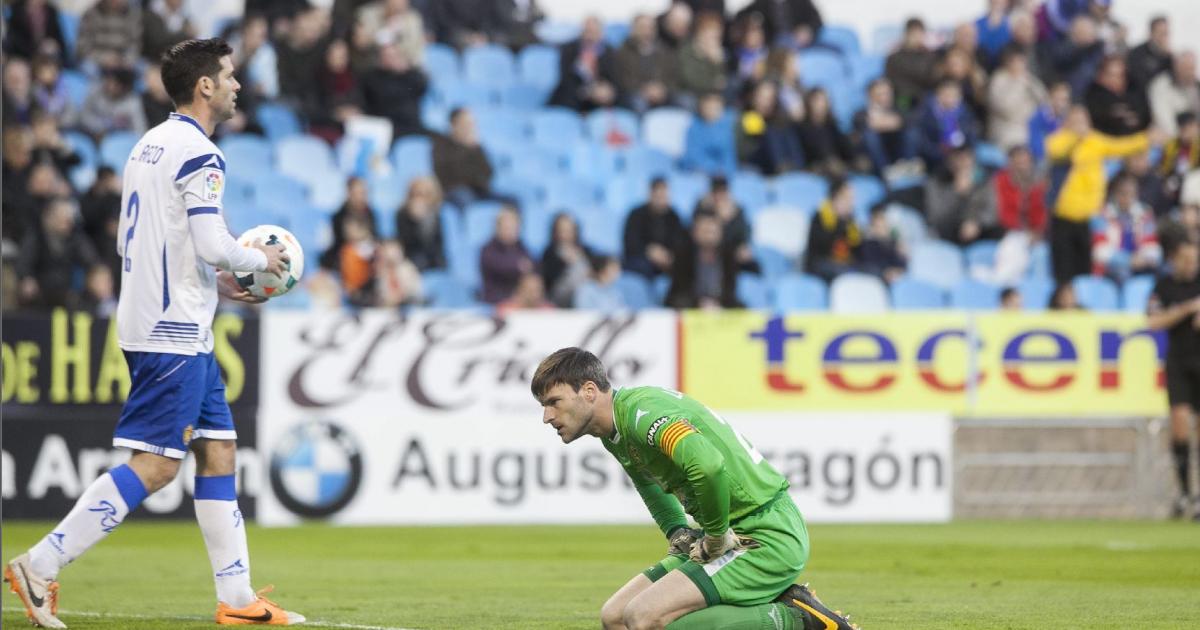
[277,258]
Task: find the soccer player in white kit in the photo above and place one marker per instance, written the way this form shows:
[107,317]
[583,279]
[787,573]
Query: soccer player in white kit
[172,237]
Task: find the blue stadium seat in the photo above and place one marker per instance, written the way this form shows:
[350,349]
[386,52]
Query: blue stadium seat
[603,123]
[866,68]
[615,33]
[661,285]
[646,161]
[490,65]
[451,94]
[909,223]
[782,228]
[115,149]
[821,68]
[521,95]
[412,155]
[443,290]
[1036,292]
[665,129]
[1039,261]
[772,262]
[501,125]
[535,228]
[686,190]
[636,290]
[68,23]
[981,254]
[84,147]
[277,120]
[936,262]
[750,191]
[303,157]
[533,163]
[912,294]
[989,155]
[327,189]
[386,193]
[479,225]
[539,65]
[974,295]
[556,33]
[246,151]
[441,63]
[599,230]
[620,194]
[858,293]
[885,37]
[843,38]
[803,190]
[868,191]
[800,292]
[592,160]
[561,192]
[453,233]
[434,115]
[525,190]
[1096,293]
[556,126]
[76,84]
[1136,293]
[752,291]
[279,193]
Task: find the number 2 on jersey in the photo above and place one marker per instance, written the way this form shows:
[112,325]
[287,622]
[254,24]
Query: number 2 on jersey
[133,208]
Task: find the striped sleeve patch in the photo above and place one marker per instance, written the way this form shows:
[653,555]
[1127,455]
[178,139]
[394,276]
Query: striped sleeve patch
[672,434]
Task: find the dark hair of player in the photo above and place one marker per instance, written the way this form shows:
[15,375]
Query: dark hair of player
[186,62]
[573,366]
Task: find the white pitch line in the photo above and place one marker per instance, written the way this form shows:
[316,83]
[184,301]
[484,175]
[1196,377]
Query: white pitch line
[102,615]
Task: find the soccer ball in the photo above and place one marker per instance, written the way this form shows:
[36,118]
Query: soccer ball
[262,283]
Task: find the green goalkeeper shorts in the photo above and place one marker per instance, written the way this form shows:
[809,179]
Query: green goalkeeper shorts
[751,576]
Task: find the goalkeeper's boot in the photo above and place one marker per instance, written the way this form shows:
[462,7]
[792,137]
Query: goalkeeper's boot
[261,612]
[816,616]
[39,596]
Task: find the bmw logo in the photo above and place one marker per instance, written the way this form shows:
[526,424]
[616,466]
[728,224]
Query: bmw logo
[316,469]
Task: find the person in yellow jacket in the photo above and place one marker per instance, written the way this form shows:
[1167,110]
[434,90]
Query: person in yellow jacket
[1080,152]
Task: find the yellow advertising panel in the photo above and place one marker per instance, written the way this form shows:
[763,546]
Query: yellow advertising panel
[995,365]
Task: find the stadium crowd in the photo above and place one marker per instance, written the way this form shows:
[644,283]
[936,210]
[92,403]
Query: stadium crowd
[1033,140]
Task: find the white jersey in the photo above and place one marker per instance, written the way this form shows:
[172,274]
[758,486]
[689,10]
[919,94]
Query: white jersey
[168,293]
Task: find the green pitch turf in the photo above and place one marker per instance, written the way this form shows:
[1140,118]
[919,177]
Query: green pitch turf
[970,576]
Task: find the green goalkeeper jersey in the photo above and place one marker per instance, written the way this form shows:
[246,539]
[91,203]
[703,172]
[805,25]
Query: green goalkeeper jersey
[684,457]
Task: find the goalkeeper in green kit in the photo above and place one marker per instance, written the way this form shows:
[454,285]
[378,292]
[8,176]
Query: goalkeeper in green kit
[738,571]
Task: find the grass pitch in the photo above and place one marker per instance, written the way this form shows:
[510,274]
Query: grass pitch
[972,575]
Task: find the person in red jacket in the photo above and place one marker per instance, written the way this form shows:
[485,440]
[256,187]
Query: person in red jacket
[1021,209]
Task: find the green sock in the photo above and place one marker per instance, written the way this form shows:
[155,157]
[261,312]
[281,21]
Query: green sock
[773,616]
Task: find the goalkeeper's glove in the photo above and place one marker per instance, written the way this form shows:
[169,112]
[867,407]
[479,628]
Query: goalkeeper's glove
[710,547]
[681,539]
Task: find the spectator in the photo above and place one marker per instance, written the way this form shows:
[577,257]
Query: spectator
[705,271]
[21,206]
[100,210]
[709,146]
[826,149]
[749,49]
[1077,187]
[959,64]
[1147,60]
[959,202]
[529,294]
[1020,192]
[565,262]
[1076,58]
[503,261]
[1175,92]
[18,93]
[356,256]
[397,281]
[1180,156]
[34,29]
[645,71]
[881,127]
[945,124]
[255,60]
[702,60]
[600,292]
[518,23]
[110,34]
[675,25]
[395,23]
[462,168]
[299,53]
[1153,190]
[789,23]
[1024,39]
[735,230]
[1014,96]
[419,224]
[467,23]
[1124,238]
[911,67]
[156,103]
[782,71]
[49,147]
[834,239]
[653,233]
[1115,109]
[355,207]
[363,50]
[343,97]
[994,31]
[881,252]
[99,293]
[1064,299]
[50,91]
[765,139]
[585,68]
[1048,118]
[164,24]
[113,106]
[51,255]
[1011,300]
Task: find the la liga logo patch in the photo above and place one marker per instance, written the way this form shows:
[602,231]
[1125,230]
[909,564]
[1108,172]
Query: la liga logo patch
[213,183]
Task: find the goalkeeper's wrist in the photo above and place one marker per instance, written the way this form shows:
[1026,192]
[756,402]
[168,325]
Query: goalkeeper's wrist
[674,529]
